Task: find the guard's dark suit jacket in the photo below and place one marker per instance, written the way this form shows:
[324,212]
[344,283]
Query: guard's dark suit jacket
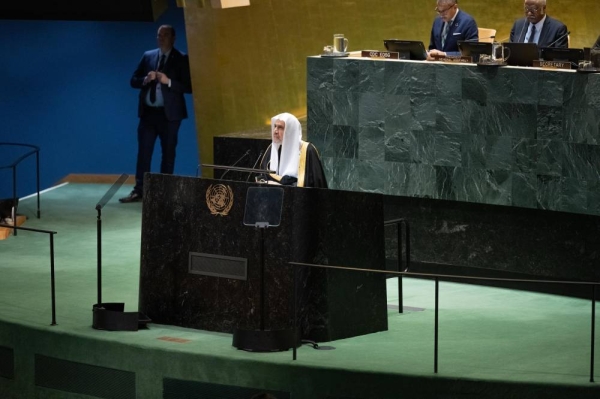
[463,28]
[177,68]
[552,30]
[597,44]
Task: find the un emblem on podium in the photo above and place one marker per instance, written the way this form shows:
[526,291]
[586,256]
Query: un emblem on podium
[219,199]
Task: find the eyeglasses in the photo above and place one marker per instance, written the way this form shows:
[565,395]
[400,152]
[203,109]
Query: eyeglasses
[443,11]
[533,10]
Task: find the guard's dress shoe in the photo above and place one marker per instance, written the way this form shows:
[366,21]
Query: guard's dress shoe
[133,196]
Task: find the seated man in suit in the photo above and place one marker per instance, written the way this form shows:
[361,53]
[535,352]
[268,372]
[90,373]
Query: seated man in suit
[449,27]
[538,27]
[595,54]
[295,162]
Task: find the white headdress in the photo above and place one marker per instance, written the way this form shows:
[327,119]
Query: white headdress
[290,146]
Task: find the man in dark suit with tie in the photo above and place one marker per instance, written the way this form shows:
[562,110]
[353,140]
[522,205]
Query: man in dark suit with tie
[163,75]
[538,27]
[449,27]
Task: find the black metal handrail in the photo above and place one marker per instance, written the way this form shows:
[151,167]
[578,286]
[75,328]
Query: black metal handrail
[592,284]
[399,223]
[99,206]
[35,150]
[52,279]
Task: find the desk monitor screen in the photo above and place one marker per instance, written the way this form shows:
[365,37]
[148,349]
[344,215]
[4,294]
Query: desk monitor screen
[474,49]
[522,54]
[408,49]
[572,55]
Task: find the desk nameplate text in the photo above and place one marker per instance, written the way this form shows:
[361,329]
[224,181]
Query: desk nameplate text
[552,64]
[386,55]
[455,60]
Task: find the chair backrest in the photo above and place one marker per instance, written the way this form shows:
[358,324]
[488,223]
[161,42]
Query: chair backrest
[485,35]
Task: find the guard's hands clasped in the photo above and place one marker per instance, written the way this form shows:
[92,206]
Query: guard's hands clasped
[162,78]
[155,75]
[150,77]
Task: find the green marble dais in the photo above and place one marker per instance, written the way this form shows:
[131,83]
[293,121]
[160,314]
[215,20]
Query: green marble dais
[507,136]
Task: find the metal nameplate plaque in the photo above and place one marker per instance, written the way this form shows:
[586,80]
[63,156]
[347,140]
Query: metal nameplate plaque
[386,55]
[454,60]
[552,64]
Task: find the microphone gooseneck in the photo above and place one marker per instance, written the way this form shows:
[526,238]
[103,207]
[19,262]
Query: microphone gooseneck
[521,38]
[255,163]
[236,162]
[559,39]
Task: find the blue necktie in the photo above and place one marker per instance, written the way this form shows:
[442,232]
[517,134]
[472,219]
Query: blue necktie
[532,34]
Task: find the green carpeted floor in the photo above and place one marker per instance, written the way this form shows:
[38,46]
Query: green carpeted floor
[492,342]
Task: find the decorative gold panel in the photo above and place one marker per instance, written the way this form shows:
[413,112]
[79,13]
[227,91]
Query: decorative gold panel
[249,63]
[229,3]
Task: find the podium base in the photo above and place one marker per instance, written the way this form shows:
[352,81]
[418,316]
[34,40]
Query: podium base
[111,317]
[266,340]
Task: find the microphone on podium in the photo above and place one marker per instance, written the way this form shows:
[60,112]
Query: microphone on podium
[559,39]
[521,38]
[236,162]
[255,163]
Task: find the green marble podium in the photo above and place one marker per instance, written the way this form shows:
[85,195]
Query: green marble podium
[510,136]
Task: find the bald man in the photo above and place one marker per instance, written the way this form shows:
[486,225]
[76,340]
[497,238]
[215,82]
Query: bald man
[538,27]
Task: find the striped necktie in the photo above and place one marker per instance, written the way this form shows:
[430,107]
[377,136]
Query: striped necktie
[445,33]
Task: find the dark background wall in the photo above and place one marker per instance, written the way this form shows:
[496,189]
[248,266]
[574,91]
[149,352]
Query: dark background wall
[65,88]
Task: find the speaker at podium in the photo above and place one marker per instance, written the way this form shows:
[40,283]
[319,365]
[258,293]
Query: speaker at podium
[202,268]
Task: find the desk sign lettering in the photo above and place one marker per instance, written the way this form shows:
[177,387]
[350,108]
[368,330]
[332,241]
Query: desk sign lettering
[387,55]
[457,60]
[552,64]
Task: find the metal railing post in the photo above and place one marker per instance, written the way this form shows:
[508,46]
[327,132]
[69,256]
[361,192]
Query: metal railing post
[52,280]
[399,223]
[400,287]
[37,168]
[436,325]
[15,206]
[593,346]
[295,307]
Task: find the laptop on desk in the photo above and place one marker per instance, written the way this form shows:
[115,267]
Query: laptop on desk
[474,49]
[408,49]
[522,54]
[572,55]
